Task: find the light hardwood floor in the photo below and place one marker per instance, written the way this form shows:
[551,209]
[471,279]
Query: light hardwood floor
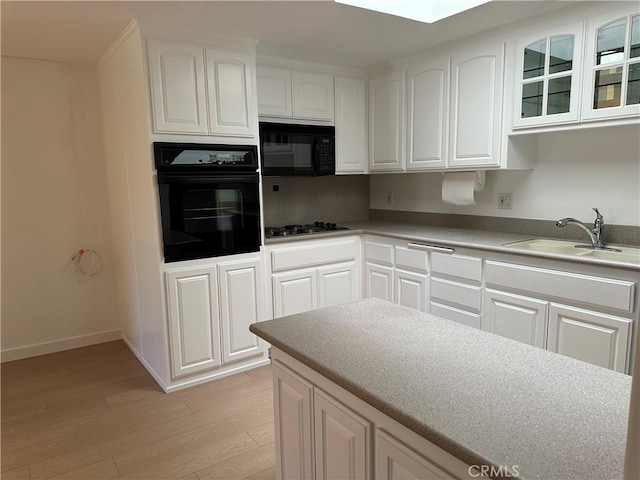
[95,413]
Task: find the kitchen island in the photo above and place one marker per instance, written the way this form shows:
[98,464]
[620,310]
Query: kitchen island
[376,390]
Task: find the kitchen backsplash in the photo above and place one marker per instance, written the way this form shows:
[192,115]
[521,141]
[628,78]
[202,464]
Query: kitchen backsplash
[301,200]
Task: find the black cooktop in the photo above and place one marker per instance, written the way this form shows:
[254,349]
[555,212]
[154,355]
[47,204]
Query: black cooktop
[309,228]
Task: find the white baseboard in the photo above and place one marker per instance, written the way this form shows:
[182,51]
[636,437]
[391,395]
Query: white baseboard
[59,345]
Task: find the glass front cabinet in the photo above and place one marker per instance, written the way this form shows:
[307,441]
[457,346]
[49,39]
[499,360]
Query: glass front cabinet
[548,77]
[612,66]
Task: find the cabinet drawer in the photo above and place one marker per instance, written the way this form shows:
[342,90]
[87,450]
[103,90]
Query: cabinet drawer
[411,259]
[313,254]
[469,268]
[466,296]
[456,315]
[599,291]
[379,252]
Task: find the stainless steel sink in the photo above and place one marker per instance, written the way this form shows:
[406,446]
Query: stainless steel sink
[562,247]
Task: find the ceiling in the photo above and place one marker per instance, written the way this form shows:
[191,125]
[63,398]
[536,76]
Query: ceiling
[321,31]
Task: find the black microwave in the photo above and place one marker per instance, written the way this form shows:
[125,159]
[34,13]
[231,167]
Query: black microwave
[290,149]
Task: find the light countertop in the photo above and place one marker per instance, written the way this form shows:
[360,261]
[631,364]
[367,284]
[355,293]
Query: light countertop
[452,237]
[483,398]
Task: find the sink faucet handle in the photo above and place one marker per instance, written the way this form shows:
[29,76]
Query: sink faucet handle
[599,217]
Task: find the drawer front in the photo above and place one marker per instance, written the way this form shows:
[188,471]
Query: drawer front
[461,266]
[381,253]
[313,254]
[453,293]
[456,315]
[599,291]
[411,259]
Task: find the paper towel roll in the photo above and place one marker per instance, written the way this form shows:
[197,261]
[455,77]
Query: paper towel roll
[458,187]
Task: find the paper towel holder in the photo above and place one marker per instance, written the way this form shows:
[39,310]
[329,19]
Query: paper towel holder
[480,179]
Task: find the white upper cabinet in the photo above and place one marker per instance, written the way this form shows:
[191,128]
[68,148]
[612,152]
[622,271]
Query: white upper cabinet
[548,76]
[386,122]
[476,106]
[294,94]
[612,65]
[200,91]
[428,115]
[351,125]
[312,96]
[274,91]
[230,93]
[178,87]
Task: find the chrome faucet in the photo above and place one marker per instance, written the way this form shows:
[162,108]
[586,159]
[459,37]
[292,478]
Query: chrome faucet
[595,233]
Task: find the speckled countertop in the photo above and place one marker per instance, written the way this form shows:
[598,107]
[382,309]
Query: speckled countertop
[453,237]
[483,398]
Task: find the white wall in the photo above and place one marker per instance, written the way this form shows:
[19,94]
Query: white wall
[574,171]
[54,202]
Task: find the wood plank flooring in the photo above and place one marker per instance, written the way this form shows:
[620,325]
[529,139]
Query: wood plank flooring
[94,413]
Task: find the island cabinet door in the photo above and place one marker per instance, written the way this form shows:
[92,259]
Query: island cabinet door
[343,440]
[394,461]
[292,396]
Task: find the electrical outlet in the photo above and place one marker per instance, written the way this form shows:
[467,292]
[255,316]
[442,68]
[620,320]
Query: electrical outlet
[389,198]
[504,200]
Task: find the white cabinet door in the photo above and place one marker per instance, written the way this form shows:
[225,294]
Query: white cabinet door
[428,91]
[313,96]
[396,461]
[194,333]
[386,122]
[548,76]
[379,281]
[516,317]
[411,290]
[476,106]
[294,292]
[351,125]
[343,440]
[612,65]
[274,91]
[593,337]
[230,93]
[241,304]
[177,87]
[338,284]
[293,418]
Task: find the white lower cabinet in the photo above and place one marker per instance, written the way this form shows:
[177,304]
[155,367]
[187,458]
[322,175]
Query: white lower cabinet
[397,273]
[593,337]
[313,274]
[194,329]
[210,310]
[324,432]
[294,292]
[240,306]
[411,289]
[379,282]
[293,419]
[338,284]
[515,317]
[343,440]
[396,461]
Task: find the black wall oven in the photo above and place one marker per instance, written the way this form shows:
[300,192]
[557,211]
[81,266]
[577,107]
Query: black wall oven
[209,199]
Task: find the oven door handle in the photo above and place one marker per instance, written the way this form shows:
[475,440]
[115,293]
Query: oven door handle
[181,179]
